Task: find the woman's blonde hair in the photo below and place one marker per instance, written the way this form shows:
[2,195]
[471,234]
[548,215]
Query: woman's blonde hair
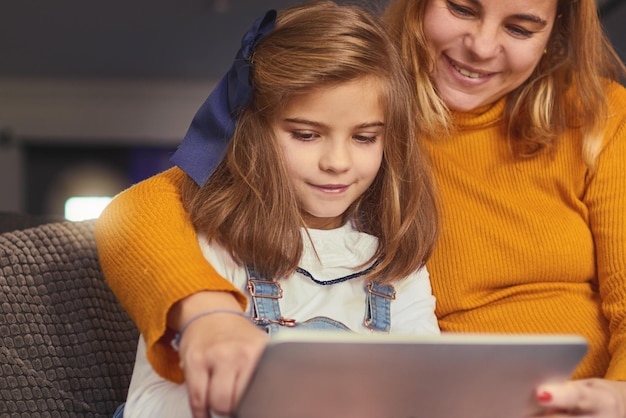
[567,89]
[248,205]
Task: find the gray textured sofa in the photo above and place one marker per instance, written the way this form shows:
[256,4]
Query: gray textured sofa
[67,347]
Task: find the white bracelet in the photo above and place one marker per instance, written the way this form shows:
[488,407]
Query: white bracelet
[175,343]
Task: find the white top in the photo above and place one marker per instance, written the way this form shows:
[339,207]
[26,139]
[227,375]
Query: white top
[341,252]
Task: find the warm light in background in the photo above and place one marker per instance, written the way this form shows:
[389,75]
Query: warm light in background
[80,208]
[82,191]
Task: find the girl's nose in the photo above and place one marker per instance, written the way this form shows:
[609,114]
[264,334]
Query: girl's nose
[336,156]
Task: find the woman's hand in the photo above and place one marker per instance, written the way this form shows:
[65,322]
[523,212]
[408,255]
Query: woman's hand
[592,398]
[218,352]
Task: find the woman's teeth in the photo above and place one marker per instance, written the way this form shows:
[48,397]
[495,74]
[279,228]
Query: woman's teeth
[467,73]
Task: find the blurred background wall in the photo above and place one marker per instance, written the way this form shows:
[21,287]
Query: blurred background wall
[95,96]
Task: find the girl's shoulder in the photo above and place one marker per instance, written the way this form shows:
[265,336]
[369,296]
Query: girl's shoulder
[221,260]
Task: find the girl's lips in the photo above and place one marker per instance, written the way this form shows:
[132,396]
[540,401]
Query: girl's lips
[331,188]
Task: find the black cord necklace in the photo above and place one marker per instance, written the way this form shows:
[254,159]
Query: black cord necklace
[338,280]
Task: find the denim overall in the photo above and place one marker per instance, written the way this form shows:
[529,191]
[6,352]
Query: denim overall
[266,313]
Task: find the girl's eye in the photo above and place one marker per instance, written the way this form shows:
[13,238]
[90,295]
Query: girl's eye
[459,10]
[366,138]
[303,136]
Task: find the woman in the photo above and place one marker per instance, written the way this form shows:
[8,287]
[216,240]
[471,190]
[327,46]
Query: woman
[530,182]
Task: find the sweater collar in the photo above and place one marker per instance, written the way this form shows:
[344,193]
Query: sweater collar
[480,117]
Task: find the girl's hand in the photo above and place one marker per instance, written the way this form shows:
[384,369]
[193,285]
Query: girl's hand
[218,354]
[592,398]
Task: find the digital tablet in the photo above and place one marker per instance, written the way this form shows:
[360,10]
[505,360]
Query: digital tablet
[305,374]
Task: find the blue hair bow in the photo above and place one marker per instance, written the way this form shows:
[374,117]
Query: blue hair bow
[211,129]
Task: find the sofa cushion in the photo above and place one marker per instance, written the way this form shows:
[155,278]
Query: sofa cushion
[67,347]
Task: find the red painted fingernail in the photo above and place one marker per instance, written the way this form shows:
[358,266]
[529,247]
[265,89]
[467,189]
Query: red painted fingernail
[544,396]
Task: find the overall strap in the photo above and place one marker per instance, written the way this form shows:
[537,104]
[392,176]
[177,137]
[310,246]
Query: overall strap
[265,294]
[378,306]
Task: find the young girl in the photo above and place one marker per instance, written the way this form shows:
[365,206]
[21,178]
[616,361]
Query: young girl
[321,212]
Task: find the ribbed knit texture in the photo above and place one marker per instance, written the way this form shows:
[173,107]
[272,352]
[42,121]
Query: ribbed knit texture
[527,246]
[516,252]
[151,259]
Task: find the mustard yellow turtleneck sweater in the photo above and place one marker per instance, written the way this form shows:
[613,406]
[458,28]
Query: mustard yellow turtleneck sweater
[526,246]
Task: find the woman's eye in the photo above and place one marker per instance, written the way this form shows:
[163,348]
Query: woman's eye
[459,10]
[519,32]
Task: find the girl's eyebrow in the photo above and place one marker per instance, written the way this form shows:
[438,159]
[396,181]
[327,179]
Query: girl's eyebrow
[323,125]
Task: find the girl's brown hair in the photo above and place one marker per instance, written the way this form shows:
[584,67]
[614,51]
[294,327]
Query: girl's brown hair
[248,205]
[566,90]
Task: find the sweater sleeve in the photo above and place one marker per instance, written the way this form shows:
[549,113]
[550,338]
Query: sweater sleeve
[151,259]
[606,200]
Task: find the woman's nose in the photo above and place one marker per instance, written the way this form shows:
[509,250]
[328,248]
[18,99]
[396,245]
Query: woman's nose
[483,42]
